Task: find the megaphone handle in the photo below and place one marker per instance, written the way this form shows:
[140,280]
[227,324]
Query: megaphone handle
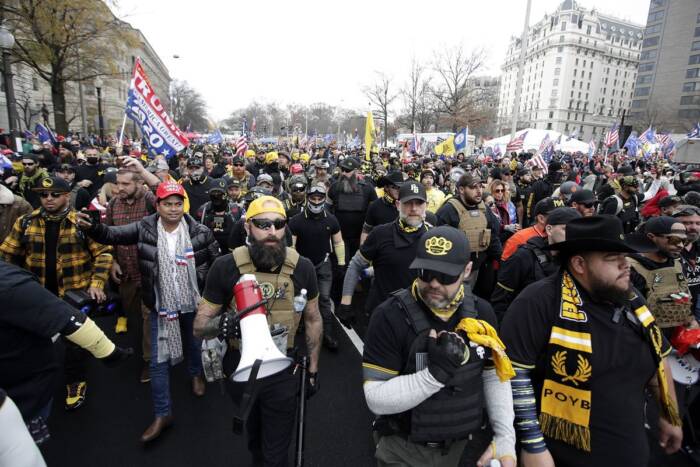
[247,399]
[250,308]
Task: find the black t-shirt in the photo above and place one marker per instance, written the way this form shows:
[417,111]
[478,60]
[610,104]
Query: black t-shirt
[198,194]
[690,260]
[380,212]
[622,364]
[224,274]
[30,315]
[391,252]
[314,234]
[94,173]
[389,334]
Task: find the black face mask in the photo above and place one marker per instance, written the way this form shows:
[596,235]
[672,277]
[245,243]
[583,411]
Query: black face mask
[217,199]
[93,160]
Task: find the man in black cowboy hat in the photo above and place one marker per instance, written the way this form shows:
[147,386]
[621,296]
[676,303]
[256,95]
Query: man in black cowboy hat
[383,210]
[585,344]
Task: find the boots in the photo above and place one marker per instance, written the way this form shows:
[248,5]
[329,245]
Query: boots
[156,428]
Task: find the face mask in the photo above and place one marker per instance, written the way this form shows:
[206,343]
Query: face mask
[315,208]
[93,160]
[217,199]
[196,175]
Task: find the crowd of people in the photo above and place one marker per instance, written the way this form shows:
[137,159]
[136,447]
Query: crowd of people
[486,285]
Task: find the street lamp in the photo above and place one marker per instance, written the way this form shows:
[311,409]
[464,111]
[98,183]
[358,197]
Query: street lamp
[100,120]
[7,41]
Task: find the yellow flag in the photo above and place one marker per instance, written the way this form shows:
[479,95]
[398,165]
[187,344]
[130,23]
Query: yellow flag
[447,147]
[369,136]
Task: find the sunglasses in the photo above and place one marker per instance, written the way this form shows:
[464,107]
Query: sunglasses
[239,165]
[590,205]
[28,164]
[344,170]
[266,224]
[500,190]
[52,194]
[426,275]
[674,240]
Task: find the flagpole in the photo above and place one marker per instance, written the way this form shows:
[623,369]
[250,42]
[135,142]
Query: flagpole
[121,133]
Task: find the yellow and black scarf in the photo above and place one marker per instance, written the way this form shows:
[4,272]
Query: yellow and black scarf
[566,392]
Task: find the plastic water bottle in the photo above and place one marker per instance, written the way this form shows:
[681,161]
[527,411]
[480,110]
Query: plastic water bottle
[300,301]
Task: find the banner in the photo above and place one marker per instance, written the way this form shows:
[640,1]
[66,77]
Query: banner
[144,107]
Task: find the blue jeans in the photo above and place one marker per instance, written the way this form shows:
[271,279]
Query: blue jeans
[160,372]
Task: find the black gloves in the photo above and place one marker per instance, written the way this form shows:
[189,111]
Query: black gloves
[312,384]
[346,315]
[228,325]
[446,353]
[117,356]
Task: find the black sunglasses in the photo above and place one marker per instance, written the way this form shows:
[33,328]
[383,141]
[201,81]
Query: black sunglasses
[28,164]
[52,194]
[426,275]
[344,170]
[590,205]
[265,224]
[239,165]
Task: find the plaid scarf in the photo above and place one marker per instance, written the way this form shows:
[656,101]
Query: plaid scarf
[566,392]
[177,291]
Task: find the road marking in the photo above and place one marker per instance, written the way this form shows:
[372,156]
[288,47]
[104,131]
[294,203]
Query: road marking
[352,335]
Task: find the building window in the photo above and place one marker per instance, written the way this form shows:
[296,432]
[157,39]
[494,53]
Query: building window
[641,92]
[573,83]
[574,72]
[551,114]
[689,113]
[646,67]
[659,15]
[694,59]
[692,73]
[638,104]
[648,55]
[588,29]
[560,49]
[561,39]
[558,61]
[644,79]
[549,125]
[590,75]
[689,87]
[650,42]
[697,32]
[655,29]
[557,71]
[35,83]
[555,82]
[690,100]
[563,25]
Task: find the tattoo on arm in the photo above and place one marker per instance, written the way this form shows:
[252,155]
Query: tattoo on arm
[314,329]
[206,322]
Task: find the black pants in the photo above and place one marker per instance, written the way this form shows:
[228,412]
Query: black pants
[270,425]
[75,361]
[324,276]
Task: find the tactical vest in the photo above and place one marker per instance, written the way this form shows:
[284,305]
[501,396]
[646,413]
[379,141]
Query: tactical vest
[456,411]
[545,266]
[277,288]
[474,224]
[662,283]
[353,202]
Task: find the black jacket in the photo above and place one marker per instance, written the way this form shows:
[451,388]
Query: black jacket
[144,234]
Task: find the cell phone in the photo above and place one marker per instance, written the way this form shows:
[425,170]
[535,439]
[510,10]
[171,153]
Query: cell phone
[94,216]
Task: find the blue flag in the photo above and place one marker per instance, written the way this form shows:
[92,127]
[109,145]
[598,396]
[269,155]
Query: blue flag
[632,145]
[461,140]
[216,137]
[44,134]
[695,131]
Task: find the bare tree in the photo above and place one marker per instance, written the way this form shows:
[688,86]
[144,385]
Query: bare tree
[414,94]
[455,94]
[188,106]
[381,96]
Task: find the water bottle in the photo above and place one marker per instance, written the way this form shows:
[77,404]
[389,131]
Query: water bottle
[300,301]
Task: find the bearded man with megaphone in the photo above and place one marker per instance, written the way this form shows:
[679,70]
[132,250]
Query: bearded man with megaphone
[264,289]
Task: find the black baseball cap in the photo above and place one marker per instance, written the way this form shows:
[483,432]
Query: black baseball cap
[412,190]
[583,197]
[349,163]
[217,185]
[55,184]
[562,216]
[443,249]
[65,168]
[663,225]
[233,182]
[547,205]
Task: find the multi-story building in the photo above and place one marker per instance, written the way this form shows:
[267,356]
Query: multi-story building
[33,94]
[485,90]
[667,91]
[579,72]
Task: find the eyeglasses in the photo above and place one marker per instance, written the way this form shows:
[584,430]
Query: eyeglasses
[426,275]
[344,170]
[500,190]
[52,194]
[674,240]
[266,224]
[28,164]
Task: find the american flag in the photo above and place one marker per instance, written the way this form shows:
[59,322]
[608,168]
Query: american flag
[538,161]
[543,145]
[663,138]
[516,144]
[695,131]
[591,148]
[241,145]
[612,136]
[648,137]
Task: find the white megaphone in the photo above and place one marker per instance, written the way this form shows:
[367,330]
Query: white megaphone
[256,341]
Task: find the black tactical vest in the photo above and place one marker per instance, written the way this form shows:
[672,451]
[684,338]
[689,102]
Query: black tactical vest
[456,411]
[352,201]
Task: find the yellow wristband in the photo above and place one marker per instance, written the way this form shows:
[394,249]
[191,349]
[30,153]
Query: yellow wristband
[93,339]
[340,252]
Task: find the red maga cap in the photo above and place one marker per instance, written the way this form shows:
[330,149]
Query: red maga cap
[166,189]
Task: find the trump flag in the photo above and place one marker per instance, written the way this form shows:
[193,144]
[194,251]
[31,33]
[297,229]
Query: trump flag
[144,107]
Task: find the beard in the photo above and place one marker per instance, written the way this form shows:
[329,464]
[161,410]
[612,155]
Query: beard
[348,184]
[266,256]
[602,291]
[411,221]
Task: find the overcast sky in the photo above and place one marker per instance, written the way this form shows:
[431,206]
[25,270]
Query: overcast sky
[310,51]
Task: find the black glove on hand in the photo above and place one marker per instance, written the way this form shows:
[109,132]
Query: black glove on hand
[117,356]
[312,388]
[346,315]
[228,325]
[445,355]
